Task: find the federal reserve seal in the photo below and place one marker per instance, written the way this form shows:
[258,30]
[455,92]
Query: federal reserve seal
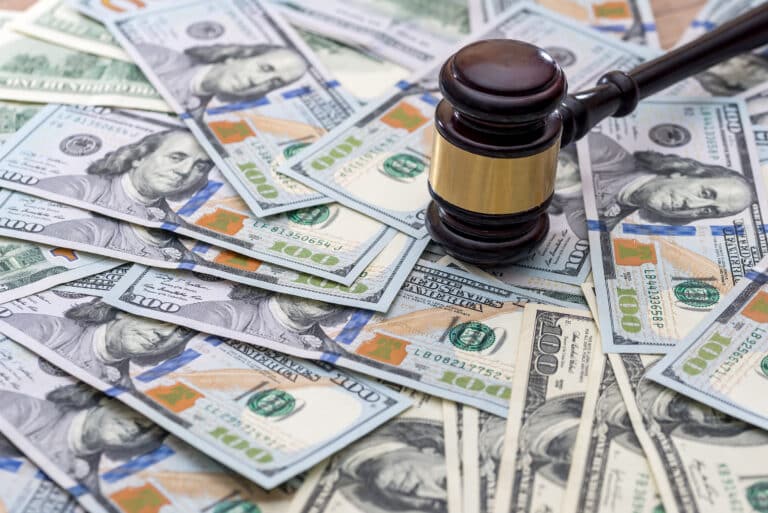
[472,336]
[563,56]
[310,215]
[757,496]
[670,135]
[697,294]
[403,167]
[80,145]
[205,30]
[272,403]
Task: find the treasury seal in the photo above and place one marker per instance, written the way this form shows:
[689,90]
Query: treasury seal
[80,145]
[472,336]
[272,403]
[403,167]
[697,294]
[757,496]
[310,215]
[764,366]
[205,30]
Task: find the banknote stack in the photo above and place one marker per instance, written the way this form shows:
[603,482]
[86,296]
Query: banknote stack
[218,293]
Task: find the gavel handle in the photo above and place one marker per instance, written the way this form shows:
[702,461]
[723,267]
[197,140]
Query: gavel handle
[617,93]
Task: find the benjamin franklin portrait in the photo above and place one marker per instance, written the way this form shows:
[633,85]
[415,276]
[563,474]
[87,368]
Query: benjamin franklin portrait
[229,73]
[139,178]
[680,417]
[291,320]
[76,425]
[398,468]
[104,341]
[664,189]
[548,436]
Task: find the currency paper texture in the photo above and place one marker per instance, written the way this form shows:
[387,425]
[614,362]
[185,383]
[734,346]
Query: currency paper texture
[56,22]
[261,413]
[246,84]
[35,219]
[702,460]
[609,471]
[399,467]
[723,362]
[149,170]
[110,458]
[32,70]
[409,33]
[555,349]
[364,74]
[377,162]
[24,488]
[675,205]
[448,333]
[629,20]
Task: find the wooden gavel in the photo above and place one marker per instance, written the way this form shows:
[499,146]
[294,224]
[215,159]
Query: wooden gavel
[504,117]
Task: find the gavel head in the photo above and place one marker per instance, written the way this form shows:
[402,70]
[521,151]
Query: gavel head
[495,151]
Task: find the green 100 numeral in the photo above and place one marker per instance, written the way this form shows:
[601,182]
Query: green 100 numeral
[304,253]
[708,351]
[629,308]
[257,178]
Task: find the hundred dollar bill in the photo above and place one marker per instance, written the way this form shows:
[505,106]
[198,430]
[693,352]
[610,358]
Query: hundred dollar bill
[24,488]
[630,20]
[377,161]
[261,413]
[364,74]
[30,268]
[482,445]
[609,471]
[558,291]
[757,103]
[409,33]
[45,222]
[555,349]
[399,467]
[13,116]
[447,333]
[32,70]
[735,75]
[249,88]
[110,458]
[452,426]
[723,362]
[56,22]
[149,170]
[703,461]
[675,204]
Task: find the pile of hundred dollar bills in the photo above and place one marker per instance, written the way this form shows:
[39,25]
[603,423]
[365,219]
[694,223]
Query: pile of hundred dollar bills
[218,294]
